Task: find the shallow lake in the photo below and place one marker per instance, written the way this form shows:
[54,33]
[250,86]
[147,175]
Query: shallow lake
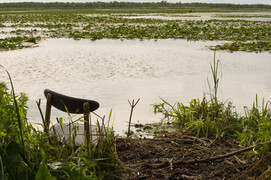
[251,16]
[113,71]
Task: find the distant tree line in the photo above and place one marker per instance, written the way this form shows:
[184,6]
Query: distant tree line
[127,5]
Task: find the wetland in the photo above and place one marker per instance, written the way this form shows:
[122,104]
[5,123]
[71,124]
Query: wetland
[135,56]
[244,34]
[159,56]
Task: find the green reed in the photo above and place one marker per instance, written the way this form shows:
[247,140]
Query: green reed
[256,124]
[216,119]
[207,117]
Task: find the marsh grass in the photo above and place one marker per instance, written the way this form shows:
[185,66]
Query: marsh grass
[218,120]
[209,118]
[202,118]
[256,124]
[26,153]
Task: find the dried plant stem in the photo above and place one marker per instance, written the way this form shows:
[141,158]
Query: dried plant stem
[133,104]
[41,114]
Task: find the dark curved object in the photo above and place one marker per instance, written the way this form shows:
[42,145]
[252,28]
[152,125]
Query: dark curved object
[74,105]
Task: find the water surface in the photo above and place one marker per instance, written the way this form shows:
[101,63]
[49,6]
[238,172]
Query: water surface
[251,16]
[113,71]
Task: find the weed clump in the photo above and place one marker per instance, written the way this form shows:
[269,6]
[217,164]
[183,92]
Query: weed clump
[26,153]
[18,42]
[256,124]
[218,120]
[204,118]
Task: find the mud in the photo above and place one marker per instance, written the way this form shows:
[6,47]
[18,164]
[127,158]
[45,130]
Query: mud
[177,156]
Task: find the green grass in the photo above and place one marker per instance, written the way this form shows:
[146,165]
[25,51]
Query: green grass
[218,120]
[256,124]
[26,153]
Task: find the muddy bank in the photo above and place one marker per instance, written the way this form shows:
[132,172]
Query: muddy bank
[176,156]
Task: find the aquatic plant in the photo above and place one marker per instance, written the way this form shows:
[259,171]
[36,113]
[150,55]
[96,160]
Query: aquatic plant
[242,16]
[250,36]
[254,46]
[18,42]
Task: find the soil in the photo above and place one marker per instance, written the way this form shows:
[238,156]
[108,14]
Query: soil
[180,156]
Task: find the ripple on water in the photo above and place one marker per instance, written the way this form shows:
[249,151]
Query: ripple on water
[112,71]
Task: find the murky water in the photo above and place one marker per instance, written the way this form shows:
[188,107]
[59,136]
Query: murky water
[113,71]
[252,16]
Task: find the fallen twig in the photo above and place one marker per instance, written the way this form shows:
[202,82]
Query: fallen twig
[166,163]
[190,177]
[184,139]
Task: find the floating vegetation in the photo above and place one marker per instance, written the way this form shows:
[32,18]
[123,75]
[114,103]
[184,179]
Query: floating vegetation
[254,46]
[101,24]
[242,16]
[18,42]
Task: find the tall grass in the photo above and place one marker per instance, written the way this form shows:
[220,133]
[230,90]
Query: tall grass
[216,119]
[203,118]
[214,69]
[18,115]
[256,124]
[207,117]
[26,153]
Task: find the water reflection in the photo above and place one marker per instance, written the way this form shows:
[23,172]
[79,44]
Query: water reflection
[113,71]
[256,16]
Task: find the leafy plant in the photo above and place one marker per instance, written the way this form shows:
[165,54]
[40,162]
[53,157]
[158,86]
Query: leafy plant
[18,42]
[251,36]
[26,153]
